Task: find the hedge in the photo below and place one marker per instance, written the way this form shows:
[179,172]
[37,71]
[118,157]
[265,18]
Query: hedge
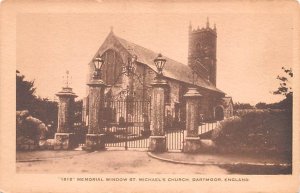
[255,132]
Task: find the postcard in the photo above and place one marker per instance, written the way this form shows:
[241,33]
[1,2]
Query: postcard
[149,96]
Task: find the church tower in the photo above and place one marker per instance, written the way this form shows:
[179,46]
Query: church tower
[202,52]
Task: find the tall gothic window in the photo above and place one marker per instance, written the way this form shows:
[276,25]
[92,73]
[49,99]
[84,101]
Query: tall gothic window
[112,67]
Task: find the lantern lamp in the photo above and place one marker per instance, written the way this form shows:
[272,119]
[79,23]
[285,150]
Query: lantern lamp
[98,63]
[160,63]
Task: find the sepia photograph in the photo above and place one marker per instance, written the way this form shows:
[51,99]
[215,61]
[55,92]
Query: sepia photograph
[154,88]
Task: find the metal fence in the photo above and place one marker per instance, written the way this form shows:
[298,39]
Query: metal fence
[80,132]
[127,123]
[207,126]
[175,139]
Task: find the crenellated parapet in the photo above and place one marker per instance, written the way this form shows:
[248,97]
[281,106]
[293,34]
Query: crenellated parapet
[206,29]
[201,30]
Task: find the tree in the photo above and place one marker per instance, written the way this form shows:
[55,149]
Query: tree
[261,105]
[238,105]
[45,110]
[285,85]
[285,89]
[25,91]
[26,99]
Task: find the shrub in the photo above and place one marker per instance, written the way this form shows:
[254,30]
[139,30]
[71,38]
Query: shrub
[29,130]
[226,131]
[258,131]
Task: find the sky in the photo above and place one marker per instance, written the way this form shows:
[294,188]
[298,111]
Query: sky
[252,45]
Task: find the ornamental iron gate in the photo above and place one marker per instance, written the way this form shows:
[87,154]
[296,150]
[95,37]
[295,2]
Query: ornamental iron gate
[127,123]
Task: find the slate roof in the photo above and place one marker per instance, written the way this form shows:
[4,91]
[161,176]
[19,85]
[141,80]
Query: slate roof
[173,69]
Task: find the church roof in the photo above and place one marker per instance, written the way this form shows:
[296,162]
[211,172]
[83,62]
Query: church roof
[173,69]
[226,101]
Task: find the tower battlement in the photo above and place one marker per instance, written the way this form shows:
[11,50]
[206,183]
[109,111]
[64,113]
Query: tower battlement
[199,30]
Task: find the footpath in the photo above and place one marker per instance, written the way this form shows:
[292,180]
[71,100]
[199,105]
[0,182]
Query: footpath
[218,159]
[245,164]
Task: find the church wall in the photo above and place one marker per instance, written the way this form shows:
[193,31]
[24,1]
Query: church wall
[175,107]
[171,110]
[142,81]
[207,103]
[174,91]
[204,106]
[228,111]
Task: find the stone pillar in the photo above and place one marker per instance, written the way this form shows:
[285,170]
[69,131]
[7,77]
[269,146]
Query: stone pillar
[64,137]
[95,136]
[158,138]
[192,140]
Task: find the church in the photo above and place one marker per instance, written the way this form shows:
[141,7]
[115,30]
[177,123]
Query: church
[200,72]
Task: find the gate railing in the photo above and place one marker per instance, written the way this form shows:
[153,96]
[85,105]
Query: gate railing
[207,126]
[80,131]
[130,111]
[127,123]
[175,139]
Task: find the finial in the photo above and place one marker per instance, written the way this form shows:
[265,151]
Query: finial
[215,27]
[207,22]
[67,80]
[112,29]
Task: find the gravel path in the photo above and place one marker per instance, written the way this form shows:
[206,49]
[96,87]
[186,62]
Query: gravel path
[112,162]
[41,155]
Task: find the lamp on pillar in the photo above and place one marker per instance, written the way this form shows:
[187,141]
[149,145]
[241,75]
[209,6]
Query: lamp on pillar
[158,138]
[98,63]
[95,136]
[160,64]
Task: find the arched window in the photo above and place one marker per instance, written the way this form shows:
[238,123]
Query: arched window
[112,67]
[219,113]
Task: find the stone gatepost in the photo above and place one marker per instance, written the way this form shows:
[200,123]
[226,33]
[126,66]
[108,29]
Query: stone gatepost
[64,137]
[192,140]
[158,138]
[95,136]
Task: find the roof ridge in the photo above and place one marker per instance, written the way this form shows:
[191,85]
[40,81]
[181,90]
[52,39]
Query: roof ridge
[118,37]
[176,70]
[148,49]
